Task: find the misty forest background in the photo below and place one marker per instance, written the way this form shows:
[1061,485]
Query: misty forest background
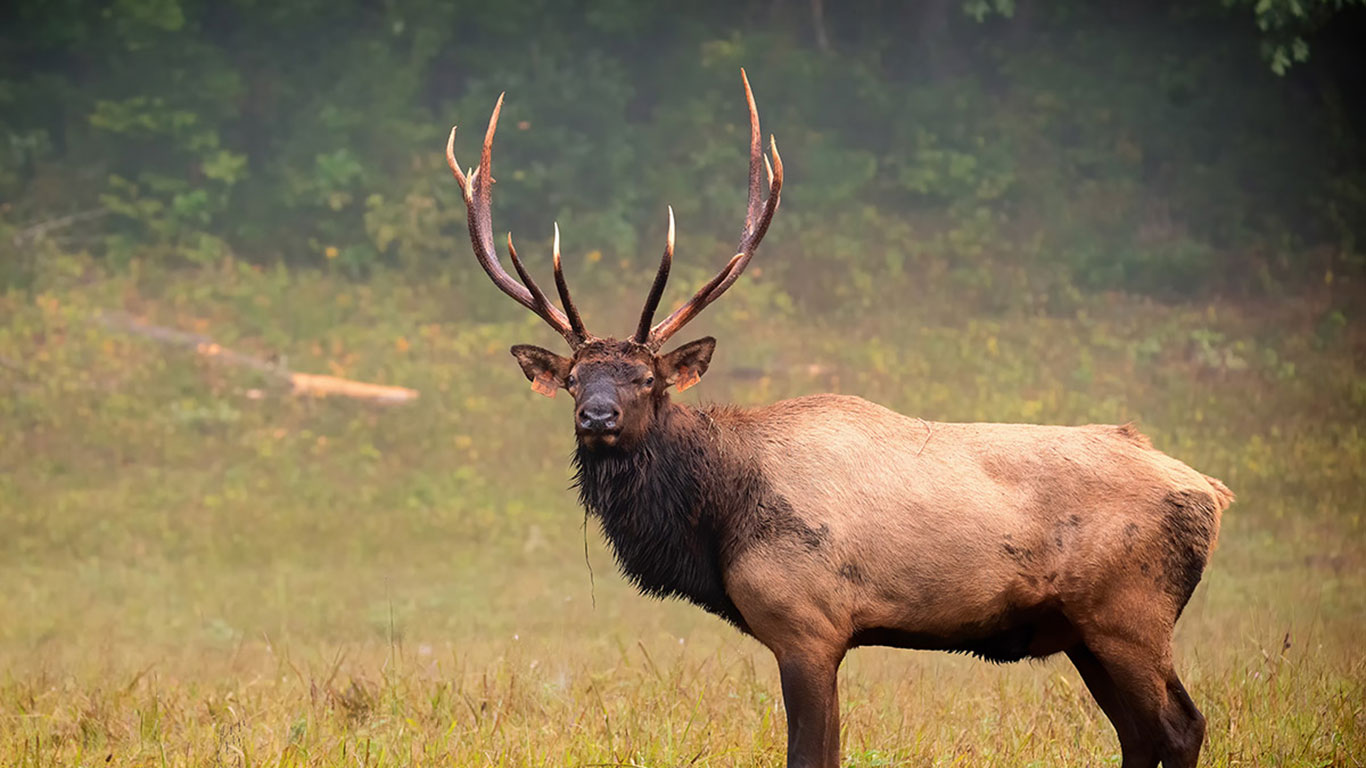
[1005,210]
[1017,154]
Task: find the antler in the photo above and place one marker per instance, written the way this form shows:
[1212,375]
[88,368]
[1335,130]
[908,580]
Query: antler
[477,189]
[562,287]
[647,315]
[758,215]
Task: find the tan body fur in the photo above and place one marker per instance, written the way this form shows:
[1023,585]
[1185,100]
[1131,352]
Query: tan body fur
[958,522]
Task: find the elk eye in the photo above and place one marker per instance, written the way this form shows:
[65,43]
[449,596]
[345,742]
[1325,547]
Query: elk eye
[649,381]
[571,381]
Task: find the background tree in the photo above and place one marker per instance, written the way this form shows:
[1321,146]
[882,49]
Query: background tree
[1028,151]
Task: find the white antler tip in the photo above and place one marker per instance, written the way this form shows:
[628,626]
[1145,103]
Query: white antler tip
[469,185]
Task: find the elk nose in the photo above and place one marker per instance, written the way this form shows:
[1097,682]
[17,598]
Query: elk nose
[599,416]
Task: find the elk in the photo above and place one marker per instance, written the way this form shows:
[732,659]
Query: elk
[824,523]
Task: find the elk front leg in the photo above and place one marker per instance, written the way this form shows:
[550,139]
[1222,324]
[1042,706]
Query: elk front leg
[811,696]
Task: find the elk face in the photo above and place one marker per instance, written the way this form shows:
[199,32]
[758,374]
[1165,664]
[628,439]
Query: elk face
[618,386]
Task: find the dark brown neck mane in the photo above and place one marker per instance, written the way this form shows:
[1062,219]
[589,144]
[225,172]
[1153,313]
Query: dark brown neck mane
[663,504]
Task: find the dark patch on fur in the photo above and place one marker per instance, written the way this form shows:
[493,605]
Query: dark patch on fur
[851,573]
[1064,529]
[774,519]
[1001,648]
[1189,524]
[813,539]
[1021,555]
[1006,639]
[1130,537]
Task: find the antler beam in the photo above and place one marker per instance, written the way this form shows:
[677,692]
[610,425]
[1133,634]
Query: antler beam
[758,215]
[478,194]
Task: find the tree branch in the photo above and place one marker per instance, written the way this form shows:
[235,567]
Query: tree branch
[311,385]
[38,231]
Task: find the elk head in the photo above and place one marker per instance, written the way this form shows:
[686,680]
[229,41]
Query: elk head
[618,386]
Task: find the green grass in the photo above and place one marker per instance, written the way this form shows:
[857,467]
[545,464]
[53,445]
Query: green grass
[189,576]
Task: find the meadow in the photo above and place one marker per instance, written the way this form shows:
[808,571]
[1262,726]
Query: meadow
[198,569]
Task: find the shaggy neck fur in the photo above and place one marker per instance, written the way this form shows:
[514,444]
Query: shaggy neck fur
[660,506]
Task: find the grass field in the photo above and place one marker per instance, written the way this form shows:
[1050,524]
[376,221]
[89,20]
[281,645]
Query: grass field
[193,576]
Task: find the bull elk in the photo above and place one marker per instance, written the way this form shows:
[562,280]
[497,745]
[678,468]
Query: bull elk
[825,523]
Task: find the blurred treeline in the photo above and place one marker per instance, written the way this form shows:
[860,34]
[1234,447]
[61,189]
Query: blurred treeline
[1020,154]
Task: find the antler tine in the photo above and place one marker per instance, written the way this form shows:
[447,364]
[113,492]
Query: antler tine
[575,321]
[750,243]
[453,163]
[478,194]
[758,216]
[542,305]
[756,160]
[699,301]
[647,315]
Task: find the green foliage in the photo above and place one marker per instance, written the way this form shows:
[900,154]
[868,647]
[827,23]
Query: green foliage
[981,9]
[1286,24]
[1028,154]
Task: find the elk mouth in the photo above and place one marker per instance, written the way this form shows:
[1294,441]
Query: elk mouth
[594,438]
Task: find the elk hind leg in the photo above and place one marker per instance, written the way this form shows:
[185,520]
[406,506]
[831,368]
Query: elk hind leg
[1103,690]
[1162,721]
[1183,724]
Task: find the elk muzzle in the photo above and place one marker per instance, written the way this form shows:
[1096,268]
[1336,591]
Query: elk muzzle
[597,414]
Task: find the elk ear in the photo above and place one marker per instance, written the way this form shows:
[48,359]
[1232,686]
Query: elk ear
[545,370]
[684,366]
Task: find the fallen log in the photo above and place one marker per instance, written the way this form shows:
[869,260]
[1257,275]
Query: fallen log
[302,384]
